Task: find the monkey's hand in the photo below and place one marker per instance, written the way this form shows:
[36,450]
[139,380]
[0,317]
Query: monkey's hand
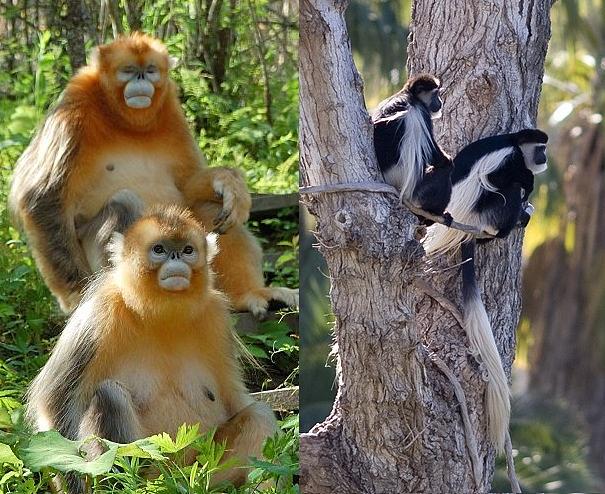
[229,184]
[525,215]
[221,184]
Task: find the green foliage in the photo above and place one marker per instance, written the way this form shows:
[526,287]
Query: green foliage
[28,463]
[549,450]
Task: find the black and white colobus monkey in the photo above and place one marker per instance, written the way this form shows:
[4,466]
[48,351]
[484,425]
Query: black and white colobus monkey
[408,154]
[492,179]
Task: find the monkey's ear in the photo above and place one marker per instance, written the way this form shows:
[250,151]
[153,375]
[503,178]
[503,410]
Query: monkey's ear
[115,248]
[211,247]
[97,53]
[95,57]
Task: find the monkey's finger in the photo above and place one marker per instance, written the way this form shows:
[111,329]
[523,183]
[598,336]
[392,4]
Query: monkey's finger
[226,218]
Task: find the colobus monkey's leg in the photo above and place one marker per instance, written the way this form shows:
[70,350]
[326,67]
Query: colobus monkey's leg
[245,433]
[117,215]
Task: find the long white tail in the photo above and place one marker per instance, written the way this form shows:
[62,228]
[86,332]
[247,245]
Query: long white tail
[482,343]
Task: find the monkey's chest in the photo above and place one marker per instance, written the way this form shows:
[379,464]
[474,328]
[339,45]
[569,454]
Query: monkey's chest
[150,176]
[169,395]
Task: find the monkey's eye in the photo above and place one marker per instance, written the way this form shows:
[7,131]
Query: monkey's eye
[152,69]
[158,249]
[188,250]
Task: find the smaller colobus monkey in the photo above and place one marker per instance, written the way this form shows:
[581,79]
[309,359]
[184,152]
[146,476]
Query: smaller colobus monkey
[492,179]
[408,154]
[150,347]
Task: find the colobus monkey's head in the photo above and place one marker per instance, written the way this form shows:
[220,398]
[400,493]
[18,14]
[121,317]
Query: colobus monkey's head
[533,145]
[425,89]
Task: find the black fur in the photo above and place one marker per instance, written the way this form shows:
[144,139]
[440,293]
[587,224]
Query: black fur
[42,199]
[514,181]
[56,237]
[58,390]
[111,414]
[432,193]
[121,211]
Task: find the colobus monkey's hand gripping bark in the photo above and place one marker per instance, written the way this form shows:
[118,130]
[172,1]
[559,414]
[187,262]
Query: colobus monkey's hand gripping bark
[408,154]
[491,180]
[150,348]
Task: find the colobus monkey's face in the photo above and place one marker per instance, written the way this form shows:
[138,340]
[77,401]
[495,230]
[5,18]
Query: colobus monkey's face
[535,157]
[432,101]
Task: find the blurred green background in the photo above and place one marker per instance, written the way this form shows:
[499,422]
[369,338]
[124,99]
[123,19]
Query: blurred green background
[558,427]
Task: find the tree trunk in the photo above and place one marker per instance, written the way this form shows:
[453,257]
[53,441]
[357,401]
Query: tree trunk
[75,23]
[396,424]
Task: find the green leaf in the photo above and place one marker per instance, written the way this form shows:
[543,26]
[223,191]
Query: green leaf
[51,449]
[185,437]
[275,469]
[7,456]
[257,351]
[143,448]
[291,422]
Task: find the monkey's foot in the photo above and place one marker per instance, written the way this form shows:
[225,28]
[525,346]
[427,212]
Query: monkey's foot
[490,231]
[288,296]
[420,232]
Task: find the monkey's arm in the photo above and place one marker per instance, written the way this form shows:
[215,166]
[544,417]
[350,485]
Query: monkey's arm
[440,158]
[220,185]
[526,179]
[122,209]
[388,133]
[37,202]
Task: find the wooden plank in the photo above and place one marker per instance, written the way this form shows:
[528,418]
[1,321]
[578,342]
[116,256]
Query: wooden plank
[280,400]
[273,202]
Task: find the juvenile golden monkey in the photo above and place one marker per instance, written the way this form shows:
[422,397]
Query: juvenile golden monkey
[150,348]
[118,141]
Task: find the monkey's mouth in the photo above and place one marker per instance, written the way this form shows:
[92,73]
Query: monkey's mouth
[138,102]
[138,94]
[175,283]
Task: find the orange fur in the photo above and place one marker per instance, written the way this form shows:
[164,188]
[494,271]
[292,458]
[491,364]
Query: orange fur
[173,353]
[99,146]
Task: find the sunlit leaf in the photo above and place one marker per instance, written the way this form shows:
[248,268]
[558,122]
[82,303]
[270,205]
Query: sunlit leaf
[50,449]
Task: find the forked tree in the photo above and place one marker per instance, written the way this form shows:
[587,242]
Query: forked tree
[409,412]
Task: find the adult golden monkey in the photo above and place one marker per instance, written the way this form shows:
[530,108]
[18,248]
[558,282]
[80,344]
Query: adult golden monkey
[117,142]
[150,348]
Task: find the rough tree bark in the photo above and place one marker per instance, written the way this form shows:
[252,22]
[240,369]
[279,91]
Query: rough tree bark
[75,23]
[396,424]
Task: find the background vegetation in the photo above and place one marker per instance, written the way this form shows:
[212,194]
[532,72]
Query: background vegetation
[558,428]
[239,90]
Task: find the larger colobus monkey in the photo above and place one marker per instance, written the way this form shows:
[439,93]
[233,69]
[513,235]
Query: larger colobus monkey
[491,180]
[408,154]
